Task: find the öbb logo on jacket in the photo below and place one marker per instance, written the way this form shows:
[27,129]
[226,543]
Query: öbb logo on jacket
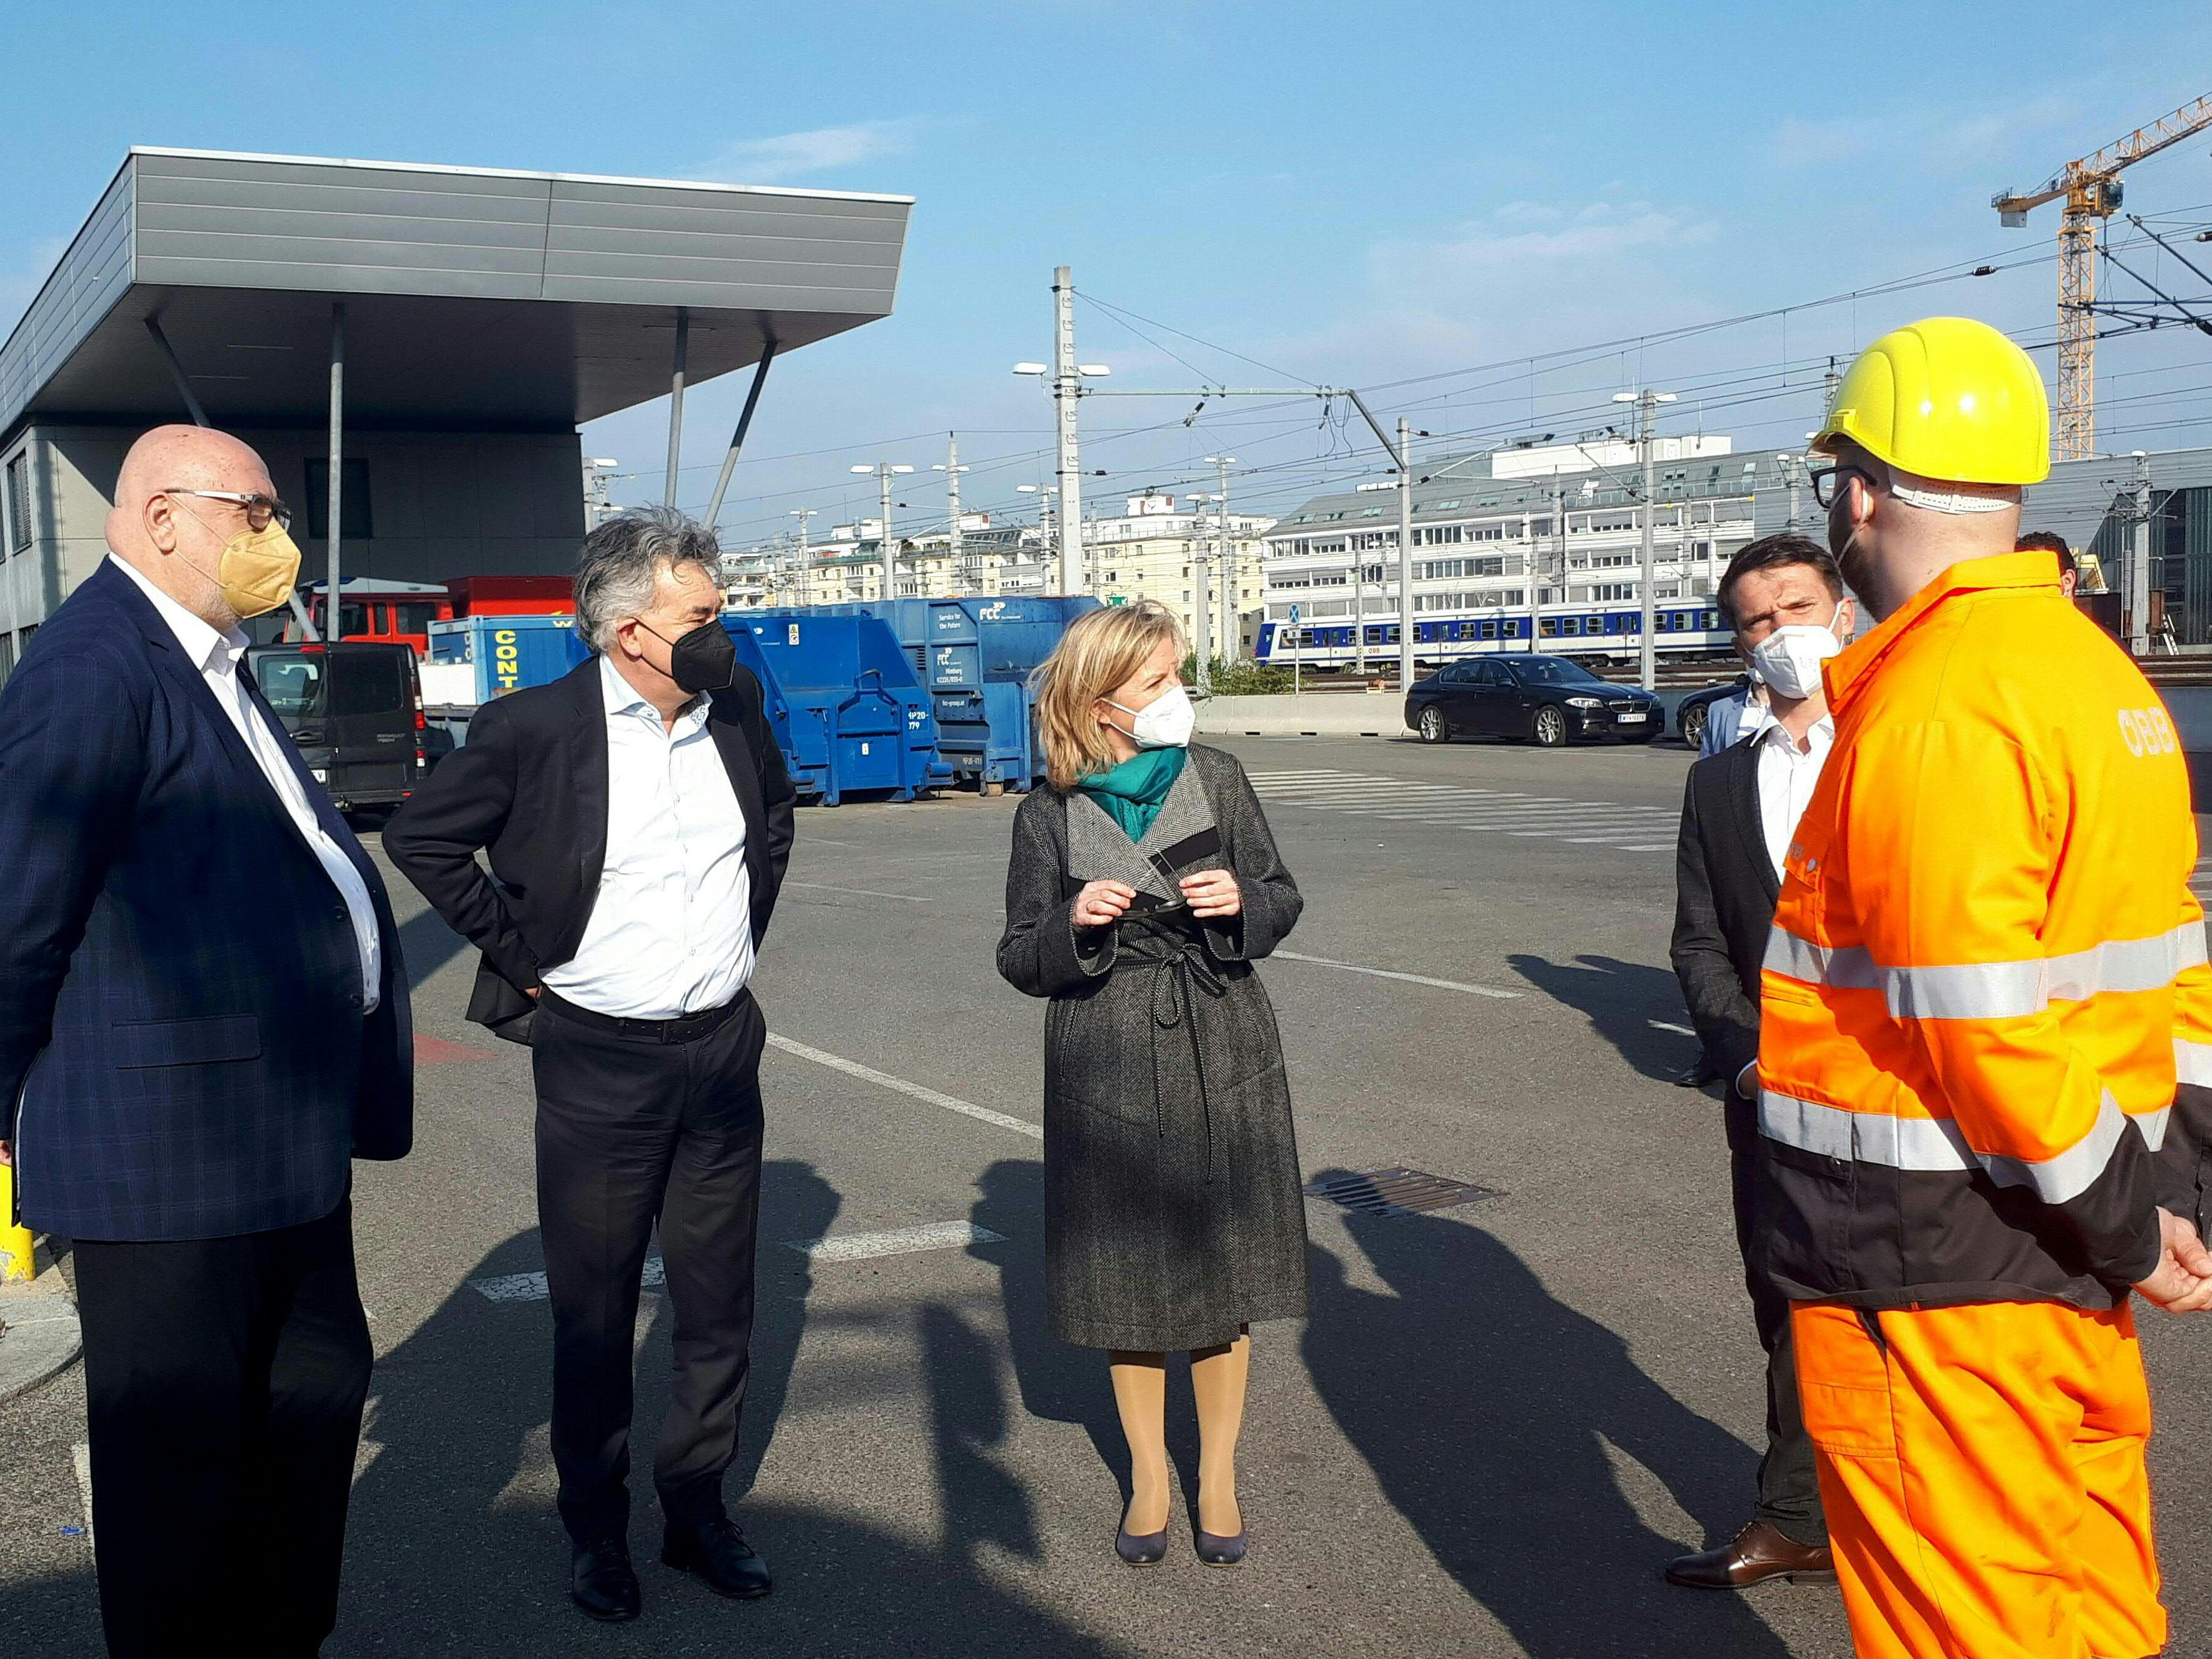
[2148,732]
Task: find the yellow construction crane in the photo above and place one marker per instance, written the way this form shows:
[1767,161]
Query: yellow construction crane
[2092,189]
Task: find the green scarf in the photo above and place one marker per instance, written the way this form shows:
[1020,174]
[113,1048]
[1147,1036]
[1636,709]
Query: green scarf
[1132,793]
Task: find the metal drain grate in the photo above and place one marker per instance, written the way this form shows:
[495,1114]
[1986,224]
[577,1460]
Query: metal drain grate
[1396,1192]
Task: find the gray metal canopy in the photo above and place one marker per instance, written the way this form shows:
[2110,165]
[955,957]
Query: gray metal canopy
[474,297]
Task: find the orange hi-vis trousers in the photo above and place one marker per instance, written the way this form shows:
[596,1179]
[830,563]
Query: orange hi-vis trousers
[1982,1468]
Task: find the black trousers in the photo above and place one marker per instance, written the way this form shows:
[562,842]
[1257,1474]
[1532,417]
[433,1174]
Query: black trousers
[223,1384]
[632,1131]
[1788,1486]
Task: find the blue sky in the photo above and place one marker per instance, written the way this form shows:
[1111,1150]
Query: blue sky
[1361,195]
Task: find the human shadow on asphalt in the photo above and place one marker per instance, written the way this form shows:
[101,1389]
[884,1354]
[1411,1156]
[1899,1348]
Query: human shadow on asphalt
[1486,1407]
[427,944]
[1621,999]
[1058,1383]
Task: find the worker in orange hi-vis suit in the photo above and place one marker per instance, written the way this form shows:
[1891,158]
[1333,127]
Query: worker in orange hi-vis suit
[1969,1026]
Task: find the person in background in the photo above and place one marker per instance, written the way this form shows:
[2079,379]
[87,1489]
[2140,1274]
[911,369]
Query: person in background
[204,1022]
[1729,718]
[2043,541]
[1143,885]
[638,819]
[1967,1030]
[1785,599]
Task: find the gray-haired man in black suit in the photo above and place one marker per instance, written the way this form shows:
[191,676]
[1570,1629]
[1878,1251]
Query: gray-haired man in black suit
[638,820]
[1785,599]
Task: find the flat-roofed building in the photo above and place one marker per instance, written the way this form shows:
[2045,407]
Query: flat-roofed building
[486,313]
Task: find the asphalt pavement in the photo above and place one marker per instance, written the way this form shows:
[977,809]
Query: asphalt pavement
[1500,1420]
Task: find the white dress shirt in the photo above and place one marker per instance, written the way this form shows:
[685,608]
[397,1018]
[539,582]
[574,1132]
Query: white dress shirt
[217,653]
[1787,775]
[672,926]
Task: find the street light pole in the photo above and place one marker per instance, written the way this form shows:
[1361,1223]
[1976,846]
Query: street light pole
[1647,402]
[1230,639]
[950,467]
[884,471]
[805,554]
[1404,554]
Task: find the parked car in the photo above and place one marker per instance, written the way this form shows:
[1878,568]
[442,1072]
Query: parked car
[1547,700]
[355,711]
[1690,713]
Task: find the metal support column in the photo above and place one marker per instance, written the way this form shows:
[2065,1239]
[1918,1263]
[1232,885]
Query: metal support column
[176,371]
[1647,654]
[334,612]
[676,402]
[737,438]
[1201,610]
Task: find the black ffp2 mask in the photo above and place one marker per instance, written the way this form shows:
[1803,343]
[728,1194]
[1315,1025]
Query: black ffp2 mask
[703,660]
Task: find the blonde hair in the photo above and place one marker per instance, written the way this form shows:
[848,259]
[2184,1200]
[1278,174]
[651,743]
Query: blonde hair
[1101,650]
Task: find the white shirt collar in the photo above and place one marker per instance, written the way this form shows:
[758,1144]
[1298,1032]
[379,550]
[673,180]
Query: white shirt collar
[622,697]
[201,640]
[1767,729]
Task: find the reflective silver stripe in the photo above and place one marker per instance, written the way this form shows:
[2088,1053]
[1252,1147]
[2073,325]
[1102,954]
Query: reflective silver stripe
[2192,1063]
[1981,990]
[1846,966]
[2127,964]
[2153,1125]
[1992,990]
[1900,1143]
[1916,1142]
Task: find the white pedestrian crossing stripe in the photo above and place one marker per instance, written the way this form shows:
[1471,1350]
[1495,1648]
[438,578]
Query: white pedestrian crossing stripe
[1617,824]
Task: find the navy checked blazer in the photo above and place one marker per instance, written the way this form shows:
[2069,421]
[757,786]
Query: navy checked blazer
[181,1038]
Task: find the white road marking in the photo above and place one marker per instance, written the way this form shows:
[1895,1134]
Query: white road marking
[1669,1025]
[1626,826]
[900,1085]
[81,1460]
[1387,973]
[863,892]
[898,1240]
[848,1247]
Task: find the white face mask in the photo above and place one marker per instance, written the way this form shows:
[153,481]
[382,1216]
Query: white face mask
[1166,722]
[1789,660]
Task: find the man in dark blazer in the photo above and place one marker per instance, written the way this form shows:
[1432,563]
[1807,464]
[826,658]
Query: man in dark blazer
[638,821]
[205,1021]
[1785,600]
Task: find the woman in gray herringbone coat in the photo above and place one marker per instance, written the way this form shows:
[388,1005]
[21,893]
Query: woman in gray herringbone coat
[1143,884]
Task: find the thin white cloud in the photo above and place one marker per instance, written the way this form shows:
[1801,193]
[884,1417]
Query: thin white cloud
[823,149]
[1533,245]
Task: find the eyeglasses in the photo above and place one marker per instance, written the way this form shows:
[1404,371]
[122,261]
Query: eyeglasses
[259,510]
[1828,482]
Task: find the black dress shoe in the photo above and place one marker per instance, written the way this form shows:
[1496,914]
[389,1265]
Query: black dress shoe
[717,1554]
[1216,1551]
[1761,1552]
[602,1581]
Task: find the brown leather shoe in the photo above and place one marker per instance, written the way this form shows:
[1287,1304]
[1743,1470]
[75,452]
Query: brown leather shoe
[1754,1555]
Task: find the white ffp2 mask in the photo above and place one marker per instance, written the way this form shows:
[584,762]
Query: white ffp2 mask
[1166,722]
[1789,660]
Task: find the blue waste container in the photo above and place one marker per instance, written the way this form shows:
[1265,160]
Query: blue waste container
[975,655]
[509,652]
[849,711]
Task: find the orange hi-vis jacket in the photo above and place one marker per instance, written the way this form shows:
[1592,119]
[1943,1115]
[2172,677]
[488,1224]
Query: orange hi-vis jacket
[1969,1014]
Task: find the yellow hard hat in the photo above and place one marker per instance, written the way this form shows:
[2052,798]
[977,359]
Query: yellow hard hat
[1947,398]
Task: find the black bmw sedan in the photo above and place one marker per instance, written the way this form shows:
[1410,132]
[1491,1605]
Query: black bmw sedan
[1549,700]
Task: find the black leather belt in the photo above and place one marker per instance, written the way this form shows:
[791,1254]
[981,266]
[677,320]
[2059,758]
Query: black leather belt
[684,1028]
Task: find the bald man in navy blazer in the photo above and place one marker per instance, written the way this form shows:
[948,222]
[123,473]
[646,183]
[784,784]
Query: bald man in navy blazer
[205,1021]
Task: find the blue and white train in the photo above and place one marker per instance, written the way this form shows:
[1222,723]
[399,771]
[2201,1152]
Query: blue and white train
[1687,628]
